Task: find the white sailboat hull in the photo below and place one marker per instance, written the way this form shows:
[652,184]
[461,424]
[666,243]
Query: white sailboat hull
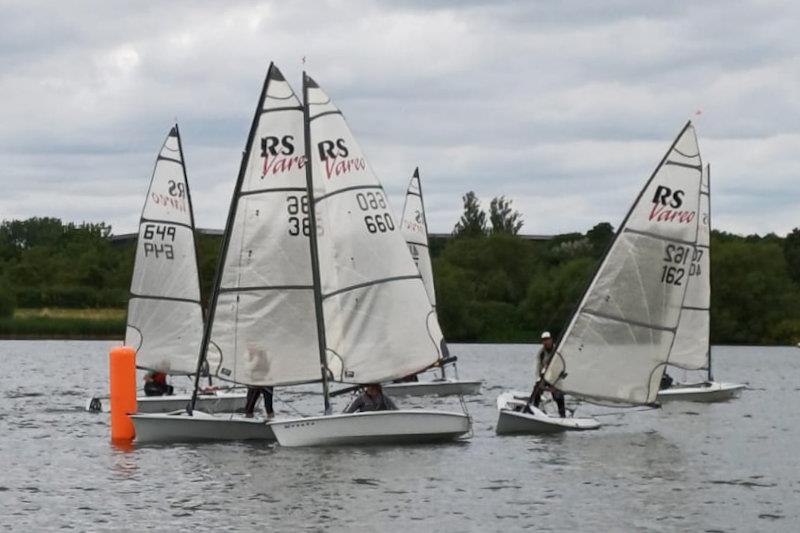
[376,427]
[444,387]
[708,391]
[510,421]
[200,426]
[218,402]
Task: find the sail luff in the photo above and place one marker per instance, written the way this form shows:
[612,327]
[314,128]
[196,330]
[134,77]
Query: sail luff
[224,244]
[314,249]
[710,280]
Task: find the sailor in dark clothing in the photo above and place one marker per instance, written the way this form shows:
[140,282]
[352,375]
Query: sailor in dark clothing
[372,399]
[155,384]
[546,353]
[252,397]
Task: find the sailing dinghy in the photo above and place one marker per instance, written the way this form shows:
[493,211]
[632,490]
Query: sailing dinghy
[619,339]
[372,315]
[258,331]
[414,227]
[692,348]
[165,315]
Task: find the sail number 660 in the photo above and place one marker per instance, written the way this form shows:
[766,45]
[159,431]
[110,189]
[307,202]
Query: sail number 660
[375,222]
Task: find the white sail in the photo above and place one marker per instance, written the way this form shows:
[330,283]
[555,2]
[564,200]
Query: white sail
[263,330]
[618,342]
[415,231]
[692,340]
[165,317]
[379,324]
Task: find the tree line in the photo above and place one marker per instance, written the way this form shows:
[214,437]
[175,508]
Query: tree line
[492,284]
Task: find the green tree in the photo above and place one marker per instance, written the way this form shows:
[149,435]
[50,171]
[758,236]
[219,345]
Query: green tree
[791,253]
[473,221]
[600,238]
[503,218]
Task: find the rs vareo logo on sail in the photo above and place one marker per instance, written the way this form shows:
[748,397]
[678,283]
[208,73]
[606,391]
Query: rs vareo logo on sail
[279,155]
[336,156]
[666,206]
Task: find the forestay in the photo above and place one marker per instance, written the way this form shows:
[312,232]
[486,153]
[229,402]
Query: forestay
[415,231]
[618,341]
[692,340]
[379,324]
[165,318]
[263,330]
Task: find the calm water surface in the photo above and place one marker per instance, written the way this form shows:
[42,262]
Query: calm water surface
[718,467]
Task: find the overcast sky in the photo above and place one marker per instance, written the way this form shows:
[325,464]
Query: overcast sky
[566,107]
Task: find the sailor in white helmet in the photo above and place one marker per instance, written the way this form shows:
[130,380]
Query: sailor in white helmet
[544,356]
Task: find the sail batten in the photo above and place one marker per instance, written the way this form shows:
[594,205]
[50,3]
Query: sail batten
[165,317]
[620,338]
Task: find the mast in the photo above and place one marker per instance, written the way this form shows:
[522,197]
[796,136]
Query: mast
[194,232]
[312,238]
[708,185]
[226,237]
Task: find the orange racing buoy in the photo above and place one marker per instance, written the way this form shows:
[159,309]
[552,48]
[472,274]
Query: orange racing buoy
[122,391]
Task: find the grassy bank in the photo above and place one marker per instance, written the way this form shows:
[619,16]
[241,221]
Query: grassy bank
[55,323]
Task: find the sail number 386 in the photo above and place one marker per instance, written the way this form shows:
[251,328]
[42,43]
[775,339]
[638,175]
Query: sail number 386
[379,222]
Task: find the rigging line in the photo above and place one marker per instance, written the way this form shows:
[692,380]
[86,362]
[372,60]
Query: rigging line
[346,189]
[370,283]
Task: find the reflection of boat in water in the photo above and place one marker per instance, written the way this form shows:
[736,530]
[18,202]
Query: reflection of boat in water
[618,341]
[692,347]
[373,318]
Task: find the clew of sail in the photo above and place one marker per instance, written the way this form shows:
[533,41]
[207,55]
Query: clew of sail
[379,324]
[692,340]
[415,231]
[165,317]
[263,331]
[619,339]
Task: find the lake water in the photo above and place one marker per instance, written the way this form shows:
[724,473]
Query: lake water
[718,467]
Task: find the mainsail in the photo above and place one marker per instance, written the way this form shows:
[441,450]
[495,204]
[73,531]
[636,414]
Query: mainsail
[415,230]
[165,316]
[378,321]
[262,323]
[692,346]
[619,339]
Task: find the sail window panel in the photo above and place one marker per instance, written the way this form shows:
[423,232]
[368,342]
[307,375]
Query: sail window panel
[266,337]
[165,262]
[637,282]
[166,334]
[690,350]
[269,242]
[378,333]
[611,360]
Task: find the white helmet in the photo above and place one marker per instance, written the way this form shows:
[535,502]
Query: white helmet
[546,335]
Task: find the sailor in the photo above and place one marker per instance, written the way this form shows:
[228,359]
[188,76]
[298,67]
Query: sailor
[252,397]
[155,384]
[372,399]
[544,356]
